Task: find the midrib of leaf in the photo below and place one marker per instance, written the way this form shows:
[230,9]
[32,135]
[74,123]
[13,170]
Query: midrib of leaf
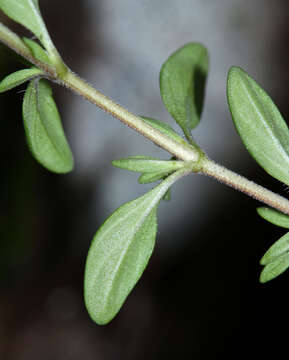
[260,112]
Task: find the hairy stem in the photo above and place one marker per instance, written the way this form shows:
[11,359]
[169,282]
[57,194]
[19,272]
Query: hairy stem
[183,151]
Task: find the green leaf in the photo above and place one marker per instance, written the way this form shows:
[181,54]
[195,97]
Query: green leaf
[182,85]
[164,128]
[147,164]
[37,51]
[27,13]
[19,77]
[120,252]
[273,216]
[152,177]
[278,248]
[275,268]
[44,130]
[259,124]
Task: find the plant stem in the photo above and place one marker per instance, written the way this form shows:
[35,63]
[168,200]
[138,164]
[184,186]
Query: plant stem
[183,151]
[238,182]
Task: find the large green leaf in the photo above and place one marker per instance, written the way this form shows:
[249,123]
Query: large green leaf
[259,124]
[278,248]
[182,84]
[147,164]
[27,13]
[275,268]
[273,216]
[44,130]
[19,77]
[120,252]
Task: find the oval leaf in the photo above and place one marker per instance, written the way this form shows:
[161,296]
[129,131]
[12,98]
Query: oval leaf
[18,78]
[182,84]
[44,130]
[120,251]
[147,164]
[259,124]
[273,216]
[278,248]
[275,268]
[37,51]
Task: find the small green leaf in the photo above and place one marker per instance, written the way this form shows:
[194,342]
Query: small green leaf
[19,77]
[44,130]
[259,124]
[164,128]
[37,51]
[152,177]
[275,268]
[147,164]
[120,252]
[278,248]
[27,13]
[273,216]
[182,84]
[168,195]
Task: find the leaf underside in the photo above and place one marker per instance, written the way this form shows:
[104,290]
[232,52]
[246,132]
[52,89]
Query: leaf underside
[44,130]
[19,77]
[259,124]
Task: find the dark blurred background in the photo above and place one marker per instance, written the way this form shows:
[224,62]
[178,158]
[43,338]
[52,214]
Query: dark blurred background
[199,297]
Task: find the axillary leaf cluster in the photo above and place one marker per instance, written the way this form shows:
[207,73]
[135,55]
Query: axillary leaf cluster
[122,246]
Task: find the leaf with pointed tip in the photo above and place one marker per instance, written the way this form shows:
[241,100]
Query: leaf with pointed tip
[147,164]
[120,252]
[259,124]
[44,130]
[182,84]
[273,216]
[275,268]
[37,51]
[19,77]
[278,248]
[26,13]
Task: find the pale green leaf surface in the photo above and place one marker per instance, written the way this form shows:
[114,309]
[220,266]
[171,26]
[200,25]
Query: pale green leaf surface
[44,130]
[147,164]
[37,51]
[26,13]
[120,252]
[278,248]
[19,77]
[151,177]
[275,268]
[273,216]
[164,128]
[259,124]
[182,84]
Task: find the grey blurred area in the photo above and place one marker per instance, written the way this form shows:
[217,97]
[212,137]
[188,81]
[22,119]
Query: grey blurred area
[200,297]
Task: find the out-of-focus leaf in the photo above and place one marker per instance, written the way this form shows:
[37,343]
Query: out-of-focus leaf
[26,13]
[120,252]
[151,177]
[278,248]
[275,268]
[259,124]
[37,51]
[273,216]
[44,130]
[147,164]
[182,84]
[19,77]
